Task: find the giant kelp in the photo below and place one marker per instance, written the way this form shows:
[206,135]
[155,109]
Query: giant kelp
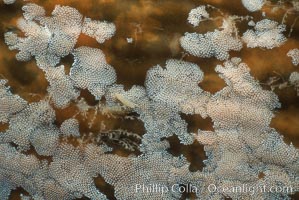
[243,149]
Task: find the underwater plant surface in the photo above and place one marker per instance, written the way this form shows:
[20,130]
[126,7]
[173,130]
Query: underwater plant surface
[114,99]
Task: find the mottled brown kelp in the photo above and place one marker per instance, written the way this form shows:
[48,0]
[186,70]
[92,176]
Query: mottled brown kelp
[149,99]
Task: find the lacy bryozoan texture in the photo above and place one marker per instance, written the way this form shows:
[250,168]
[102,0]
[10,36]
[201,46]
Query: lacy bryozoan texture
[243,150]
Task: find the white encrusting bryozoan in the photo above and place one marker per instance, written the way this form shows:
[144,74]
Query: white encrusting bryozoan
[91,71]
[61,88]
[253,5]
[49,38]
[242,147]
[294,54]
[266,34]
[100,30]
[198,14]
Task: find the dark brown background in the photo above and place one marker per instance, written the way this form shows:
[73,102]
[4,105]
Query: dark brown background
[155,26]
